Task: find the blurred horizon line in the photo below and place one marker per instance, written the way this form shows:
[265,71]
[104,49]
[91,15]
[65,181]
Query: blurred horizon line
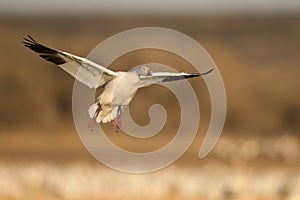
[154,8]
[112,15]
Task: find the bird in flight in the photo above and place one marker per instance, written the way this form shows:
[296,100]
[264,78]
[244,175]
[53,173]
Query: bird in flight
[119,87]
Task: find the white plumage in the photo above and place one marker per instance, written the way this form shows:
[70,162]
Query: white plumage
[119,87]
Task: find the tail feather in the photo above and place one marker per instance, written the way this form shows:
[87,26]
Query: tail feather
[92,110]
[106,117]
[106,114]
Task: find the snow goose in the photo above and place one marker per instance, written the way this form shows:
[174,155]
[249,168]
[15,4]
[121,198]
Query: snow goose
[119,87]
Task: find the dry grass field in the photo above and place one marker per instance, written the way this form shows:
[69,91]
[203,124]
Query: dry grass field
[256,158]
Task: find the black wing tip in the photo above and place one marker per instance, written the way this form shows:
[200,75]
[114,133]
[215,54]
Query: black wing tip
[198,74]
[29,38]
[29,41]
[33,44]
[205,73]
[46,53]
[192,75]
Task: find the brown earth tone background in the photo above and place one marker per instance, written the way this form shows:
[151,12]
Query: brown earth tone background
[257,156]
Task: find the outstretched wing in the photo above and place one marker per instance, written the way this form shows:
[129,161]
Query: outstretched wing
[90,73]
[160,77]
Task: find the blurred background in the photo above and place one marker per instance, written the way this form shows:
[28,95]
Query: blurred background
[256,47]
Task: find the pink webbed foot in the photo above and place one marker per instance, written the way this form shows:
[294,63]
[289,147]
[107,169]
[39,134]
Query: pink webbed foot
[117,124]
[92,123]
